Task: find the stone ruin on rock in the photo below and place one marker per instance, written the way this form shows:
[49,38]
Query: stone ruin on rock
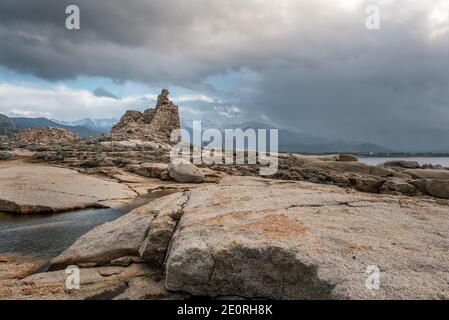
[154,124]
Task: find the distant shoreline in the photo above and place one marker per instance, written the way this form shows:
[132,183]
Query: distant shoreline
[390,155]
[404,155]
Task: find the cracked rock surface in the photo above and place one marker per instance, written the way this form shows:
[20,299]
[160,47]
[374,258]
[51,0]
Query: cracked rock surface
[137,281]
[260,238]
[28,189]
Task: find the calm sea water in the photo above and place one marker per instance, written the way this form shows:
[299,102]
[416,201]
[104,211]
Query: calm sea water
[444,161]
[49,235]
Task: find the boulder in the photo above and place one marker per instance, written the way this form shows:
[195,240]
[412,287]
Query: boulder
[420,185]
[401,164]
[428,174]
[438,188]
[366,184]
[398,186]
[183,171]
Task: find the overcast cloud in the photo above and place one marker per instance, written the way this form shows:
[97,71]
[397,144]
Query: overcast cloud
[304,64]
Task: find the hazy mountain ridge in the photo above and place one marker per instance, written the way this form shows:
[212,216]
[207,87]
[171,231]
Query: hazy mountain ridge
[293,141]
[26,123]
[289,140]
[98,125]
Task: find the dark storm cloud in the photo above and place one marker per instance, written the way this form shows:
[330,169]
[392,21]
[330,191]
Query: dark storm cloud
[313,65]
[103,92]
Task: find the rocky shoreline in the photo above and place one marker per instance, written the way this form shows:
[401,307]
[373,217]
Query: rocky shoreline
[310,231]
[261,238]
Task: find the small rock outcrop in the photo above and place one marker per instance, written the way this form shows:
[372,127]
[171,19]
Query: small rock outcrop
[46,135]
[406,164]
[154,124]
[438,188]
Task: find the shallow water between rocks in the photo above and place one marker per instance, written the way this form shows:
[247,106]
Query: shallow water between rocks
[49,235]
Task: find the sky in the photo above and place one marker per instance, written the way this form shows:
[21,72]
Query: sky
[308,65]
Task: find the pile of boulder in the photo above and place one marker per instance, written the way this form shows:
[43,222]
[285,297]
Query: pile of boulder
[393,177]
[48,135]
[427,179]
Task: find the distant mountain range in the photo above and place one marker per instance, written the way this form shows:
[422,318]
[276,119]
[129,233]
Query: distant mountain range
[7,126]
[98,125]
[289,140]
[10,126]
[292,141]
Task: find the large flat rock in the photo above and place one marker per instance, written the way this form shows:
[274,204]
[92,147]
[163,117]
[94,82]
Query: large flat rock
[259,238]
[27,189]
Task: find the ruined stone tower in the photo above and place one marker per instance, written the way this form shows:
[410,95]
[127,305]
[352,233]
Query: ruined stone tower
[153,124]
